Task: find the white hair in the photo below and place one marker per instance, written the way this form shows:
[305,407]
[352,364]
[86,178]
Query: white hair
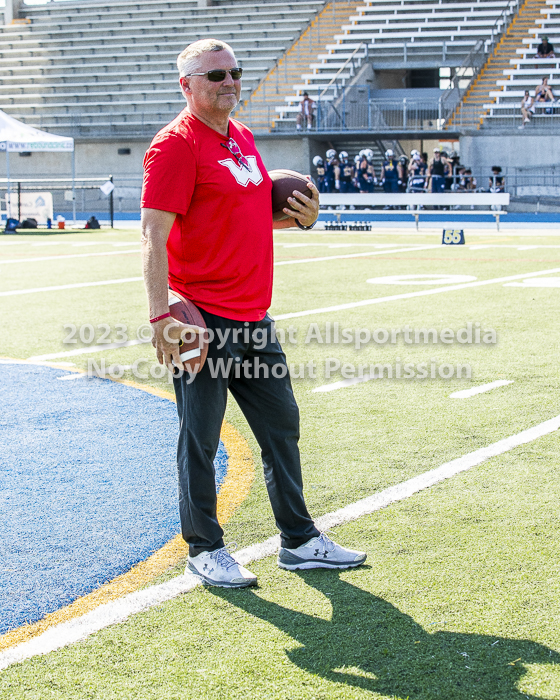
[187,60]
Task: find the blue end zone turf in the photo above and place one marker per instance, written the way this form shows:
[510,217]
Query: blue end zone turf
[88,486]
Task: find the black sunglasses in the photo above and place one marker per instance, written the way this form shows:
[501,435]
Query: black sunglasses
[216,76]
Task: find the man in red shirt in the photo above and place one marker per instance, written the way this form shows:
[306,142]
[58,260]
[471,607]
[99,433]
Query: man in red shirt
[207,233]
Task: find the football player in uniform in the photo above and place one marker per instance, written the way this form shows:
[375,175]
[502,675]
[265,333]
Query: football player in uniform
[389,173]
[321,174]
[332,163]
[402,169]
[344,174]
[366,172]
[416,173]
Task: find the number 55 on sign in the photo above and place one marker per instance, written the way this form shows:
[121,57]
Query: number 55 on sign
[453,237]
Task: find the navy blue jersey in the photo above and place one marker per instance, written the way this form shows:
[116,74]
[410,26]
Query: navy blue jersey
[346,172]
[390,170]
[330,170]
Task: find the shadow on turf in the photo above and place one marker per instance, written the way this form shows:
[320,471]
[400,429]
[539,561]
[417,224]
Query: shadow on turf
[369,635]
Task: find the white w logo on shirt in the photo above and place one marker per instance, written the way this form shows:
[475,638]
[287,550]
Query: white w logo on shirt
[241,174]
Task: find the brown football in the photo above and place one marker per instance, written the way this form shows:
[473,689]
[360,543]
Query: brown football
[195,347]
[284,182]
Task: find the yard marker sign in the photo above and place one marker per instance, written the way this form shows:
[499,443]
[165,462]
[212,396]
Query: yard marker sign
[452,236]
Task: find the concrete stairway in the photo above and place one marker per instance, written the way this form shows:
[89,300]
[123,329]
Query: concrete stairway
[471,112]
[259,111]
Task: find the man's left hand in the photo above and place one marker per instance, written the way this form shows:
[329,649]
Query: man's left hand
[306,209]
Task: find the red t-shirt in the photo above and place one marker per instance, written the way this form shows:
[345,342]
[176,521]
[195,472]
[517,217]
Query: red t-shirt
[220,245]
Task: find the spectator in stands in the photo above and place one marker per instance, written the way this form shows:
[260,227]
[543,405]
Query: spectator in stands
[496,181]
[454,165]
[449,169]
[543,93]
[460,182]
[437,172]
[306,111]
[545,49]
[470,181]
[527,108]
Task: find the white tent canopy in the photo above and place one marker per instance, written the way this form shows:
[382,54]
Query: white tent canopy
[19,137]
[16,136]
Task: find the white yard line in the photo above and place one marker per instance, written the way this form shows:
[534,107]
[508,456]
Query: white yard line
[86,351]
[118,611]
[463,394]
[345,245]
[483,388]
[64,257]
[342,384]
[16,292]
[411,295]
[357,255]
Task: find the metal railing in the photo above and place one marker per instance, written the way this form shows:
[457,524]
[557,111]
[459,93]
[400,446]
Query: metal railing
[382,115]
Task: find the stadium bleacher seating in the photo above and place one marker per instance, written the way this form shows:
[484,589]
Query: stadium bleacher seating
[526,72]
[87,67]
[403,34]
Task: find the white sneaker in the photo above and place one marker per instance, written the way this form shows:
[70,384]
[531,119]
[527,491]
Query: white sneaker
[219,568]
[320,553]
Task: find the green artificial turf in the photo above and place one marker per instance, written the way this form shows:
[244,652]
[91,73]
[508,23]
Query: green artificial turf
[460,596]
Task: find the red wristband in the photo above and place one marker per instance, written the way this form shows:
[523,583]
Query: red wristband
[158,318]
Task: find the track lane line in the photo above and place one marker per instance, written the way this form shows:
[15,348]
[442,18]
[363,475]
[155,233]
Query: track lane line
[118,611]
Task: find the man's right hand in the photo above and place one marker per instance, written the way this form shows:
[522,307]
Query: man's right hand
[166,336]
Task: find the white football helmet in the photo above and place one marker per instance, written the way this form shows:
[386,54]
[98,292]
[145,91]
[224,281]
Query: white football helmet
[343,155]
[317,161]
[331,153]
[357,158]
[414,152]
[368,153]
[389,153]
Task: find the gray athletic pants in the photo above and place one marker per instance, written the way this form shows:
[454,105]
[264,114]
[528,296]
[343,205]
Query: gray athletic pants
[270,408]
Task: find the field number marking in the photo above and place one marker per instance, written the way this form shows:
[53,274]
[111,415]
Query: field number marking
[410,295]
[550,283]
